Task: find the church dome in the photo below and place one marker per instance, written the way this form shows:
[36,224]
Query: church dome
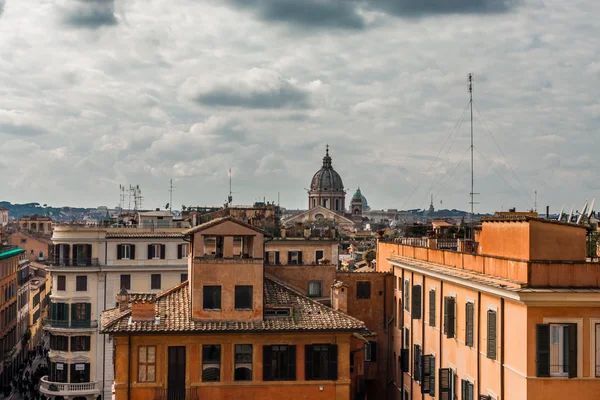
[357,195]
[327,179]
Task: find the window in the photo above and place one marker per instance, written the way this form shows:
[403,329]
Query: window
[320,362]
[466,390]
[432,307]
[243,362]
[184,277]
[155,281]
[597,327]
[183,249]
[156,251]
[406,295]
[447,384]
[23,241]
[371,352]
[491,334]
[81,315]
[243,297]
[279,363]
[58,372]
[295,257]
[428,374]
[211,363]
[60,343]
[146,363]
[315,288]
[80,373]
[277,312]
[407,337]
[126,282]
[416,302]
[417,363]
[36,299]
[272,257]
[319,255]
[450,316]
[404,360]
[81,283]
[61,283]
[556,350]
[80,343]
[125,252]
[470,323]
[363,290]
[212,298]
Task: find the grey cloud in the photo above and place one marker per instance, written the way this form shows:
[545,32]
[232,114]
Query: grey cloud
[20,130]
[90,14]
[257,89]
[2,3]
[420,8]
[307,13]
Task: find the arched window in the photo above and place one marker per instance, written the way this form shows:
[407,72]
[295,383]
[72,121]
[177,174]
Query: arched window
[337,204]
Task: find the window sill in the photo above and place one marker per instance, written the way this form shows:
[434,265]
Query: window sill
[212,309]
[243,309]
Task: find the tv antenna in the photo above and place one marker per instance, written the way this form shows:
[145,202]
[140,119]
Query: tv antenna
[171,187]
[535,202]
[472,158]
[230,197]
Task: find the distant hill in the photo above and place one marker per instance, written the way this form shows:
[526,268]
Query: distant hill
[57,213]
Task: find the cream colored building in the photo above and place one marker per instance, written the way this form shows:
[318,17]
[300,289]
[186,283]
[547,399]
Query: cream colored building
[88,268]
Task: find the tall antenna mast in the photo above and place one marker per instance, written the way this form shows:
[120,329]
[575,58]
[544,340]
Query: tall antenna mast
[535,202]
[472,159]
[171,195]
[230,197]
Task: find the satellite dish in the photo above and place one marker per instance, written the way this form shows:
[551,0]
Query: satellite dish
[591,209]
[583,210]
[560,214]
[571,213]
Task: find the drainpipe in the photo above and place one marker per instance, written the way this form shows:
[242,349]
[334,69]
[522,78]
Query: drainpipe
[387,358]
[502,348]
[423,326]
[479,342]
[128,366]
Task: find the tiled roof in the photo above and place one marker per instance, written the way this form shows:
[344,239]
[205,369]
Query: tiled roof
[173,311]
[142,235]
[217,221]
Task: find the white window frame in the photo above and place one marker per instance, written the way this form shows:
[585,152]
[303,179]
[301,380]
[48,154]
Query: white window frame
[185,250]
[157,248]
[125,252]
[579,322]
[297,253]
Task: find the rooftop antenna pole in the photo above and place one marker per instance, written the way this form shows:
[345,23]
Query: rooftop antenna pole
[230,197]
[535,202]
[171,195]
[472,159]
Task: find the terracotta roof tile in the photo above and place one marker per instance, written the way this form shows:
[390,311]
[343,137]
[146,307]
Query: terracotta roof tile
[173,311]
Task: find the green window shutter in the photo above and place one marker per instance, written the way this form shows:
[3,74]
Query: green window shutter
[88,311]
[445,376]
[432,308]
[416,302]
[491,334]
[119,252]
[277,257]
[425,373]
[470,390]
[543,350]
[73,312]
[463,389]
[132,249]
[300,258]
[404,360]
[432,376]
[451,319]
[333,362]
[572,337]
[417,363]
[446,315]
[292,362]
[179,251]
[163,252]
[308,362]
[53,311]
[289,261]
[267,361]
[470,323]
[150,252]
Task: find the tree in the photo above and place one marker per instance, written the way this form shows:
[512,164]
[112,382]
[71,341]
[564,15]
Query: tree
[369,255]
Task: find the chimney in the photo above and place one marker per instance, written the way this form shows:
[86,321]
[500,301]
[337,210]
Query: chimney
[142,307]
[123,299]
[339,296]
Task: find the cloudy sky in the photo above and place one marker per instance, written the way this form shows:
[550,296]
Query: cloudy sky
[97,93]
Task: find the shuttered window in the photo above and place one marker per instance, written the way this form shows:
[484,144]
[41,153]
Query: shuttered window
[491,334]
[450,317]
[416,302]
[432,307]
[428,374]
[406,295]
[556,350]
[469,323]
[466,390]
[404,360]
[279,363]
[417,363]
[320,362]
[447,391]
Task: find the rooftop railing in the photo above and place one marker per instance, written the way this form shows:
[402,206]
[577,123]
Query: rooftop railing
[69,324]
[72,262]
[62,388]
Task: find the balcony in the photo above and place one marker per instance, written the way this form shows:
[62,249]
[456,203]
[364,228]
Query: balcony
[68,324]
[68,389]
[176,394]
[72,262]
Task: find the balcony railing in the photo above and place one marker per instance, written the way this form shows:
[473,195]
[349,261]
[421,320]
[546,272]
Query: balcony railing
[176,393]
[69,324]
[60,388]
[72,262]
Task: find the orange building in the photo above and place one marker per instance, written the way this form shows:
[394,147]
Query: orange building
[36,246]
[9,338]
[519,319]
[230,332]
